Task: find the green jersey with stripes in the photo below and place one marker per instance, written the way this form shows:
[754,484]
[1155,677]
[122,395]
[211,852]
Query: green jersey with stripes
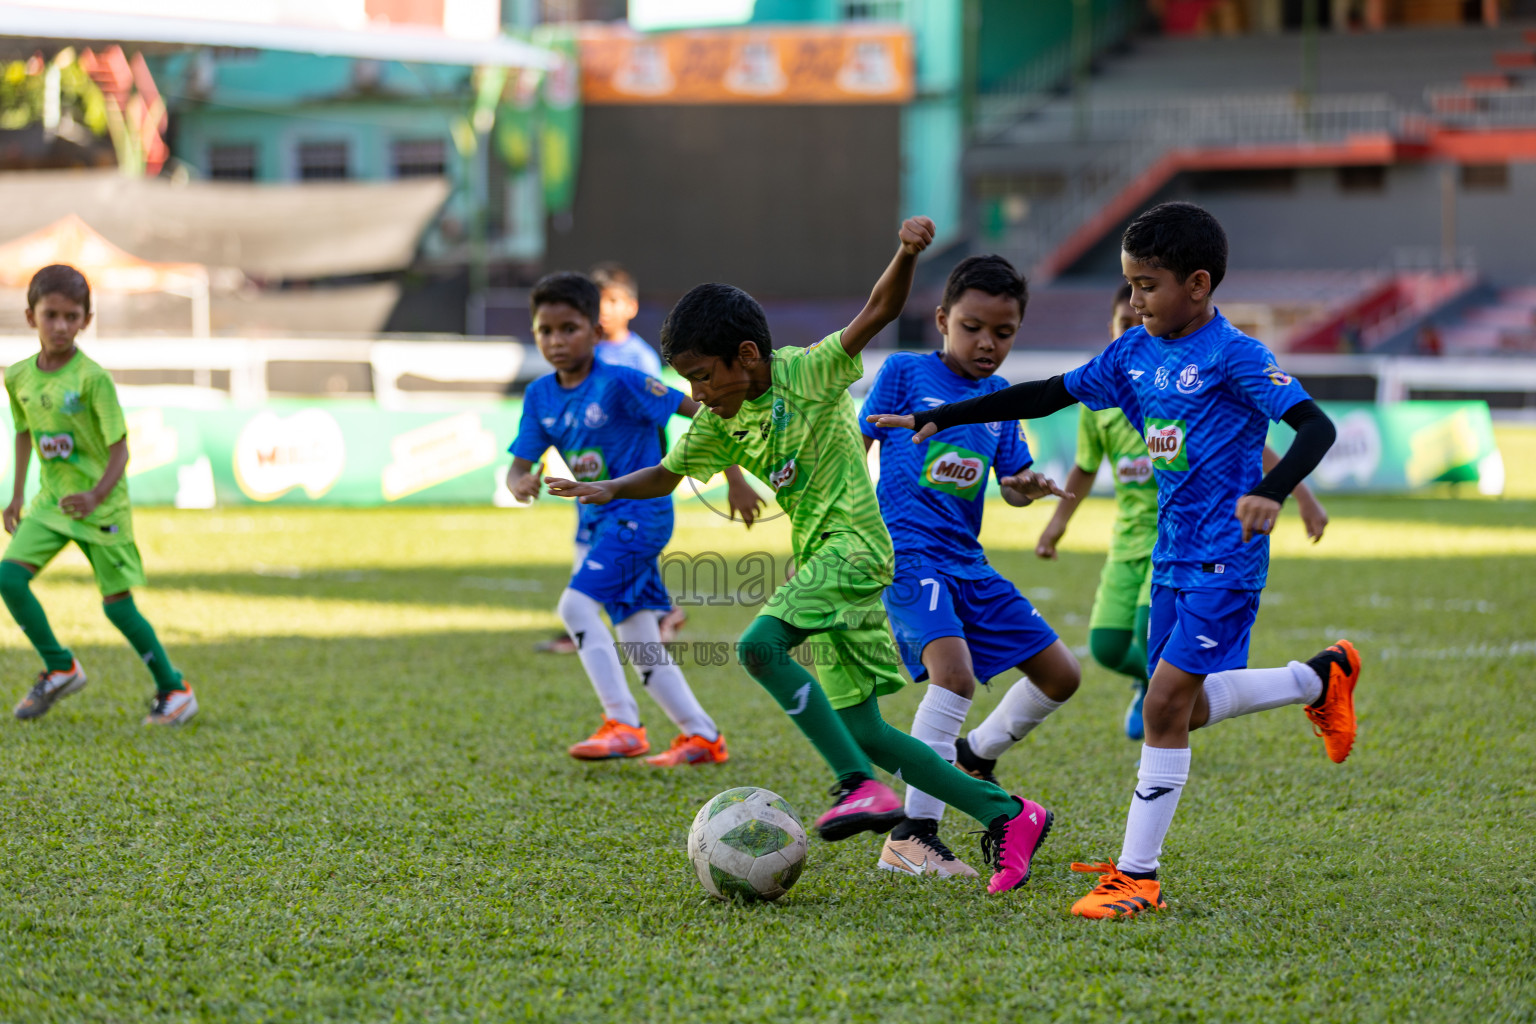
[802,438]
[1107,434]
[74,418]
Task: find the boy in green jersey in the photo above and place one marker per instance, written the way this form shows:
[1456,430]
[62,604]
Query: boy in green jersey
[1122,606]
[65,406]
[787,417]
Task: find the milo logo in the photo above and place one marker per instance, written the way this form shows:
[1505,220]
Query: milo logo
[56,446]
[784,476]
[954,470]
[1165,444]
[1133,471]
[588,464]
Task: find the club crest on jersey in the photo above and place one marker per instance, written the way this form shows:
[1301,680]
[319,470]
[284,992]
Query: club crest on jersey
[1166,444]
[1134,471]
[1160,378]
[588,464]
[1189,380]
[655,387]
[594,416]
[1278,377]
[954,470]
[784,476]
[781,414]
[56,447]
[72,403]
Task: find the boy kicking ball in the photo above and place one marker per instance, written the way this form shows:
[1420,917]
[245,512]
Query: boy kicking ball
[65,407]
[955,618]
[1203,394]
[786,416]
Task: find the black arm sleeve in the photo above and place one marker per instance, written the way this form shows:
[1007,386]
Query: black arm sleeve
[1028,401]
[1314,436]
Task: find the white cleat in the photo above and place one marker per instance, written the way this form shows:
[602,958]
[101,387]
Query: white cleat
[172,708]
[50,688]
[922,853]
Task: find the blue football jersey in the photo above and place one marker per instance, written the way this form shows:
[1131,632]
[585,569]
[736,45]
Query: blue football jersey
[932,494]
[1203,403]
[632,352]
[604,427]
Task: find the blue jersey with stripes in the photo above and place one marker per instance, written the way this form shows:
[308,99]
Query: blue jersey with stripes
[604,427]
[1203,403]
[931,494]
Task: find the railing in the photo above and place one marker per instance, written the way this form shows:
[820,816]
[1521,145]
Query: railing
[1482,108]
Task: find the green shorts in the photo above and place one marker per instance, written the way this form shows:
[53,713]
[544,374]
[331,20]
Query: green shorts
[118,567]
[1123,587]
[836,597]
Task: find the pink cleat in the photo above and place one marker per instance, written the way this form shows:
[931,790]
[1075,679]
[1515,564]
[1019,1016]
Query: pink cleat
[1010,843]
[864,806]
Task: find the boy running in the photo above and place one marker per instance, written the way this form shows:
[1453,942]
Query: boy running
[1203,393]
[787,416]
[607,419]
[1122,606]
[955,618]
[65,406]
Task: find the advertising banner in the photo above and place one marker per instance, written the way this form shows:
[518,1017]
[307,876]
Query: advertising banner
[782,64]
[358,454]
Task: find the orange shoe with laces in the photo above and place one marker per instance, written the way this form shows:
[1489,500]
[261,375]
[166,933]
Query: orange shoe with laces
[1118,894]
[1333,717]
[614,739]
[692,750]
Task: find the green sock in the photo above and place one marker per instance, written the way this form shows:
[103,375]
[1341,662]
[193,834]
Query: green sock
[1139,646]
[764,652]
[125,616]
[1109,647]
[16,588]
[921,768]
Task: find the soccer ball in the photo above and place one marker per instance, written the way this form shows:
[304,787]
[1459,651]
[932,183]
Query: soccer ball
[748,844]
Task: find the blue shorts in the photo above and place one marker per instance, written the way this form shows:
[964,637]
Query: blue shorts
[998,623]
[1201,631]
[620,569]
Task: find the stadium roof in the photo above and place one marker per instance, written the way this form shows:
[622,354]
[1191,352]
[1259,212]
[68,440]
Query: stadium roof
[24,29]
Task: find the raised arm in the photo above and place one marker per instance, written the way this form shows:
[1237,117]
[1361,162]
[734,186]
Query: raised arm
[889,296]
[1028,401]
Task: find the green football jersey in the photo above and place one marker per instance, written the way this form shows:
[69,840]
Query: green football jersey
[1107,434]
[74,417]
[801,437]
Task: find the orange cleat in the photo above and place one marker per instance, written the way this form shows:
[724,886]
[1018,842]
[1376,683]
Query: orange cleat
[614,739]
[1333,717]
[692,750]
[1118,894]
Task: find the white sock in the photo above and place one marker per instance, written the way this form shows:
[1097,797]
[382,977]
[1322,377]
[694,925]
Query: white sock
[1244,691]
[583,618]
[1159,783]
[938,722]
[663,680]
[1022,708]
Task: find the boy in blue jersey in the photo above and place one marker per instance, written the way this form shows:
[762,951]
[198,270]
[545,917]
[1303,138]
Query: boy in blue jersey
[1203,394]
[606,421]
[955,619]
[620,346]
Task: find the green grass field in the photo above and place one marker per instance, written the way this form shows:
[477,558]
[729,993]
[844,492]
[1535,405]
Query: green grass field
[373,818]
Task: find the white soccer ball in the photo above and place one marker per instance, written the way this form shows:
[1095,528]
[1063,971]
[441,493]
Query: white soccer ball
[748,844]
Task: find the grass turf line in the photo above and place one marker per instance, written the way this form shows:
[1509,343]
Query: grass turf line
[374,818]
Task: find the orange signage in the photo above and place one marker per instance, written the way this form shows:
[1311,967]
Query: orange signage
[815,64]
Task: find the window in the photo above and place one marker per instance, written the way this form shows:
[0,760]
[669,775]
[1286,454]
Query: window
[1485,177]
[1363,179]
[232,161]
[419,158]
[873,10]
[323,161]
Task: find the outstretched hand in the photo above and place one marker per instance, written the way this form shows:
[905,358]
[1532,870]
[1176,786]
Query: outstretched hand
[916,235]
[908,422]
[585,493]
[1033,485]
